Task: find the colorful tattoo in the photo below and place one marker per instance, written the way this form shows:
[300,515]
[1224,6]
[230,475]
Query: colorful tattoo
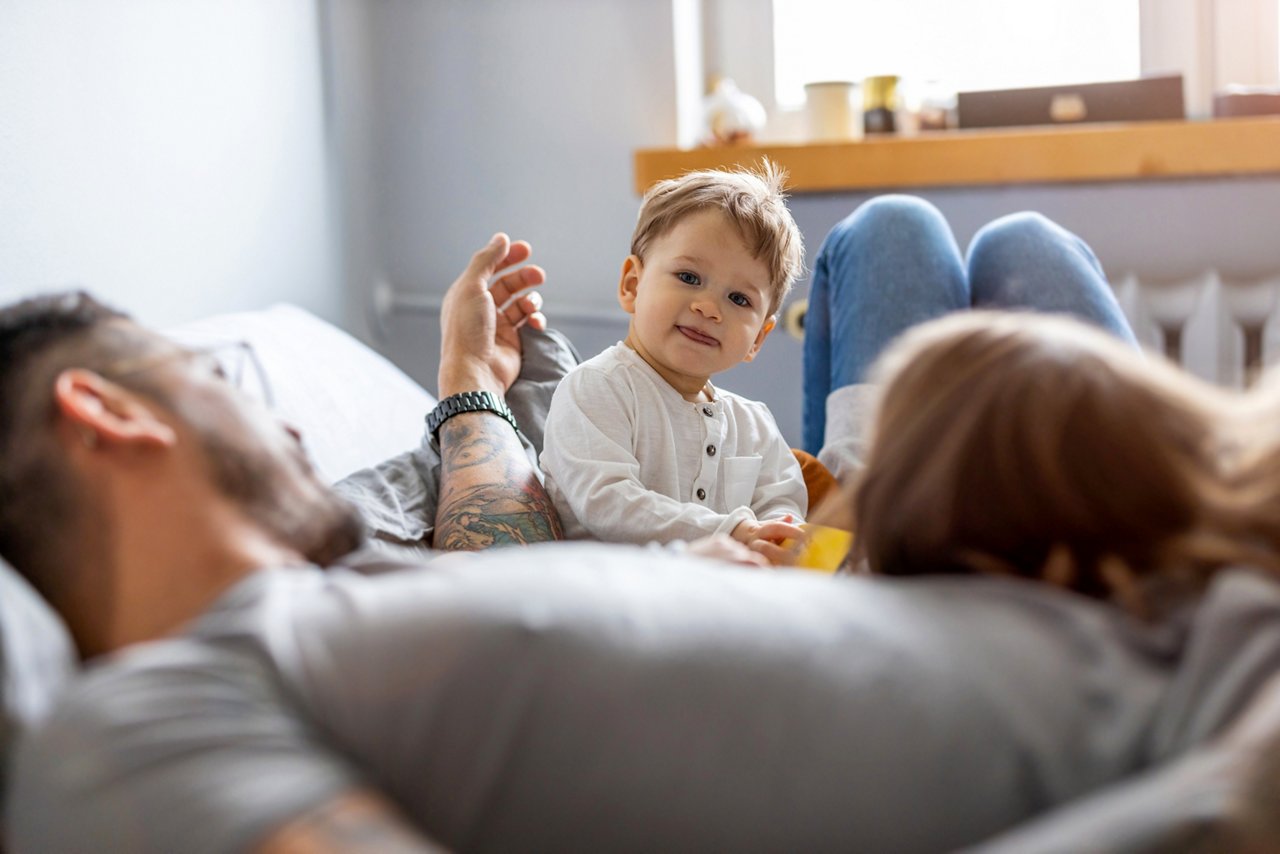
[489,493]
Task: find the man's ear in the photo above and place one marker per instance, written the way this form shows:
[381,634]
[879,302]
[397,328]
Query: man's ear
[104,412]
[764,333]
[629,283]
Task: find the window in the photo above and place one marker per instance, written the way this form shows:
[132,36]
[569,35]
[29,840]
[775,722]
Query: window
[772,47]
[975,44]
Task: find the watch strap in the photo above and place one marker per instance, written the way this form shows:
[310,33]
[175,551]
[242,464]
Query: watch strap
[467,401]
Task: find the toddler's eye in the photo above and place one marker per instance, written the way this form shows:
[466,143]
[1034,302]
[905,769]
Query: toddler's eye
[688,278]
[740,299]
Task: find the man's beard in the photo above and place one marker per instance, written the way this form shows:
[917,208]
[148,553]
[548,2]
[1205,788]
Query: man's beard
[316,521]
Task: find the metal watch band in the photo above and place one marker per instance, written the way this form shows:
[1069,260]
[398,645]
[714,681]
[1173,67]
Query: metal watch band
[467,401]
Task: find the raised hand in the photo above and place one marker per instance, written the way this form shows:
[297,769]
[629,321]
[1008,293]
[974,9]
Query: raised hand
[481,317]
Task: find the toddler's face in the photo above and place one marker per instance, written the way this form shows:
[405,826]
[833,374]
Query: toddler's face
[699,301]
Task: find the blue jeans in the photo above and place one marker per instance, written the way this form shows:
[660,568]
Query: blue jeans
[893,263]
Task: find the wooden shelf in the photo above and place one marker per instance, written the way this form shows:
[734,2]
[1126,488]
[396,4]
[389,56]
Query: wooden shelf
[1135,151]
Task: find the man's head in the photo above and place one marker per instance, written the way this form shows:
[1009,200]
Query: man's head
[115,443]
[40,507]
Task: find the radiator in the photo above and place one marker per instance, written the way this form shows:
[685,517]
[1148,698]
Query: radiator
[1218,327]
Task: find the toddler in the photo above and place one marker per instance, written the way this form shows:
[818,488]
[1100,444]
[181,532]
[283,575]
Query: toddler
[640,446]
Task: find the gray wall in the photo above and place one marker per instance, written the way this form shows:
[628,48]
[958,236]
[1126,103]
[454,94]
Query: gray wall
[459,118]
[170,156]
[523,115]
[471,117]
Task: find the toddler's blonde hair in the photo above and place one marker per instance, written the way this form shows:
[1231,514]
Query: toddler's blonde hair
[754,202]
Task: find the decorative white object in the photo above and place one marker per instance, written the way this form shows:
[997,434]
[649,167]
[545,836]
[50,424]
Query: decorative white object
[731,115]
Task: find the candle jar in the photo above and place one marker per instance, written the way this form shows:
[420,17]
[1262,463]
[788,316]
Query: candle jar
[830,111]
[880,104]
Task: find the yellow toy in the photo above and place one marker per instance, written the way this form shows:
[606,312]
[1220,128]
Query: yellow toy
[825,548]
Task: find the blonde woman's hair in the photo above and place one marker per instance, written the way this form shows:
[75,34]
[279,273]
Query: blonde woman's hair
[754,202]
[1037,446]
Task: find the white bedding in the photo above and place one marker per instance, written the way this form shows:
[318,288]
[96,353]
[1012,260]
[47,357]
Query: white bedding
[354,407]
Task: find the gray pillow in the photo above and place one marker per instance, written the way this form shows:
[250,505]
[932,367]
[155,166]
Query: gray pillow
[36,659]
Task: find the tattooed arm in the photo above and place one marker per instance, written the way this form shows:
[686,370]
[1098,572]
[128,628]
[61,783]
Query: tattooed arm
[489,492]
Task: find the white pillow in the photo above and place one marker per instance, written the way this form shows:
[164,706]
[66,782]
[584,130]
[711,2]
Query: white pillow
[36,658]
[353,406]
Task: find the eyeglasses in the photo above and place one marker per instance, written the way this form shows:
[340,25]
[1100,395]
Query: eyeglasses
[233,361]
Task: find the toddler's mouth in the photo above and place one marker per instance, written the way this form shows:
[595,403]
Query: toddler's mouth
[700,337]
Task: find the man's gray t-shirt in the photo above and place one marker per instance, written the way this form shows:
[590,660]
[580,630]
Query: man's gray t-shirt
[589,697]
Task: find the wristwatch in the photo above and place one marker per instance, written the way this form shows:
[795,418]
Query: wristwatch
[467,401]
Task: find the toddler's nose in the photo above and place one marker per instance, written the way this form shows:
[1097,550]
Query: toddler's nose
[707,308]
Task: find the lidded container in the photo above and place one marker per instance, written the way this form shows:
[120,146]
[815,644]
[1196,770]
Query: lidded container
[880,104]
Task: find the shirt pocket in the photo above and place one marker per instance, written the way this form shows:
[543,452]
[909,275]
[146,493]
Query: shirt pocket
[740,476]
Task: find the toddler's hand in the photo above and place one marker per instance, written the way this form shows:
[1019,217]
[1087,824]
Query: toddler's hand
[776,555]
[766,538]
[721,547]
[774,531]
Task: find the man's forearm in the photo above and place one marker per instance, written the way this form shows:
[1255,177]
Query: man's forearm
[489,493]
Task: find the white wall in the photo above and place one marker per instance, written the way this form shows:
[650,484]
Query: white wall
[169,156]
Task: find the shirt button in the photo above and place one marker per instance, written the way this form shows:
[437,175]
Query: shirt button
[711,450]
[708,411]
[701,493]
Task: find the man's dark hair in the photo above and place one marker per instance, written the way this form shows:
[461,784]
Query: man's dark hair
[39,338]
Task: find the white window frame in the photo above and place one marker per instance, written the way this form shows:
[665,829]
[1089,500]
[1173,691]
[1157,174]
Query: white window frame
[1211,42]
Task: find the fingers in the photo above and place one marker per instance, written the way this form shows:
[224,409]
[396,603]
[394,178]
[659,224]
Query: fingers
[517,253]
[516,282]
[495,256]
[748,557]
[516,301]
[723,547]
[489,258]
[778,531]
[774,553]
[511,292]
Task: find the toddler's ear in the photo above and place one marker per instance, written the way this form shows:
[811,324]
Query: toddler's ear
[764,333]
[629,283]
